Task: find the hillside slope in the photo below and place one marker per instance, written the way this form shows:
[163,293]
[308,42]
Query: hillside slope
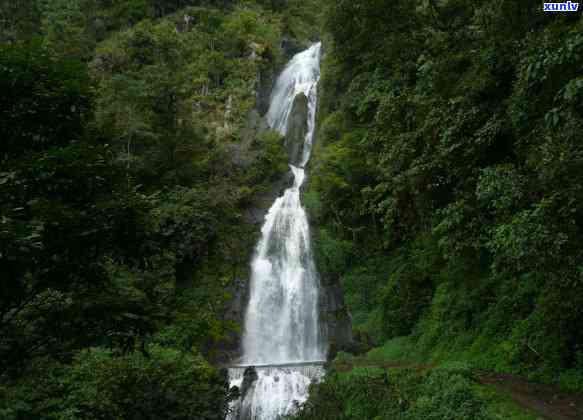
[446,184]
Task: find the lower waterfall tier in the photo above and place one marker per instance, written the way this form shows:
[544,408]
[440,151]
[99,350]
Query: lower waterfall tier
[271,392]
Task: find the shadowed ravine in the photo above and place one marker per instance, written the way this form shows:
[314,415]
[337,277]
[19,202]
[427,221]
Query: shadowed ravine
[281,323]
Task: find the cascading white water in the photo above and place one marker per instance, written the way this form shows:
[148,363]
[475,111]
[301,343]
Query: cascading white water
[301,75]
[281,323]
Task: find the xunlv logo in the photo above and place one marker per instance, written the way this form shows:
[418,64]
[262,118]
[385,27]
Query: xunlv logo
[561,7]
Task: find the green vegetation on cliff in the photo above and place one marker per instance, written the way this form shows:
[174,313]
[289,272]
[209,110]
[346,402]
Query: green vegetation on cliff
[448,181]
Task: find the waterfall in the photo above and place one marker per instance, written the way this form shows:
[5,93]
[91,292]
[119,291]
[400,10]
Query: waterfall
[282,334]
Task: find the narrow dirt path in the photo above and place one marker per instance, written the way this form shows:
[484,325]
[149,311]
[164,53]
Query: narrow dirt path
[348,366]
[544,400]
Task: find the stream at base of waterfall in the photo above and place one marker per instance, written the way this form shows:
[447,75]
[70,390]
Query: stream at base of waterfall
[282,334]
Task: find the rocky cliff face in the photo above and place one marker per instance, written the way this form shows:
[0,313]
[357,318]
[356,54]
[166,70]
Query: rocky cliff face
[243,156]
[336,318]
[235,312]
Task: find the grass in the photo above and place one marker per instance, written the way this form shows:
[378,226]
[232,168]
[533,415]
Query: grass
[397,349]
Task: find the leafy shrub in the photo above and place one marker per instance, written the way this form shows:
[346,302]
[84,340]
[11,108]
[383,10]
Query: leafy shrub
[158,383]
[441,394]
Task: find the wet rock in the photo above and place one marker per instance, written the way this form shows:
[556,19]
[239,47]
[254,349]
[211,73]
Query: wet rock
[256,213]
[290,46]
[249,378]
[338,322]
[297,129]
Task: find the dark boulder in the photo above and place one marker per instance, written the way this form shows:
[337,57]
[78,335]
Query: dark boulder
[297,129]
[249,378]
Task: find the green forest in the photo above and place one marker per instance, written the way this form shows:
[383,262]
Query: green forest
[445,195]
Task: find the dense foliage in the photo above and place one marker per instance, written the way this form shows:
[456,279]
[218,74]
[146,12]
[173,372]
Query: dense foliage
[440,394]
[447,180]
[129,157]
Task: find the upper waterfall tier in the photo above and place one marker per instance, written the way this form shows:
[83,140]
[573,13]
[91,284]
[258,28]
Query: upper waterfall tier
[300,76]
